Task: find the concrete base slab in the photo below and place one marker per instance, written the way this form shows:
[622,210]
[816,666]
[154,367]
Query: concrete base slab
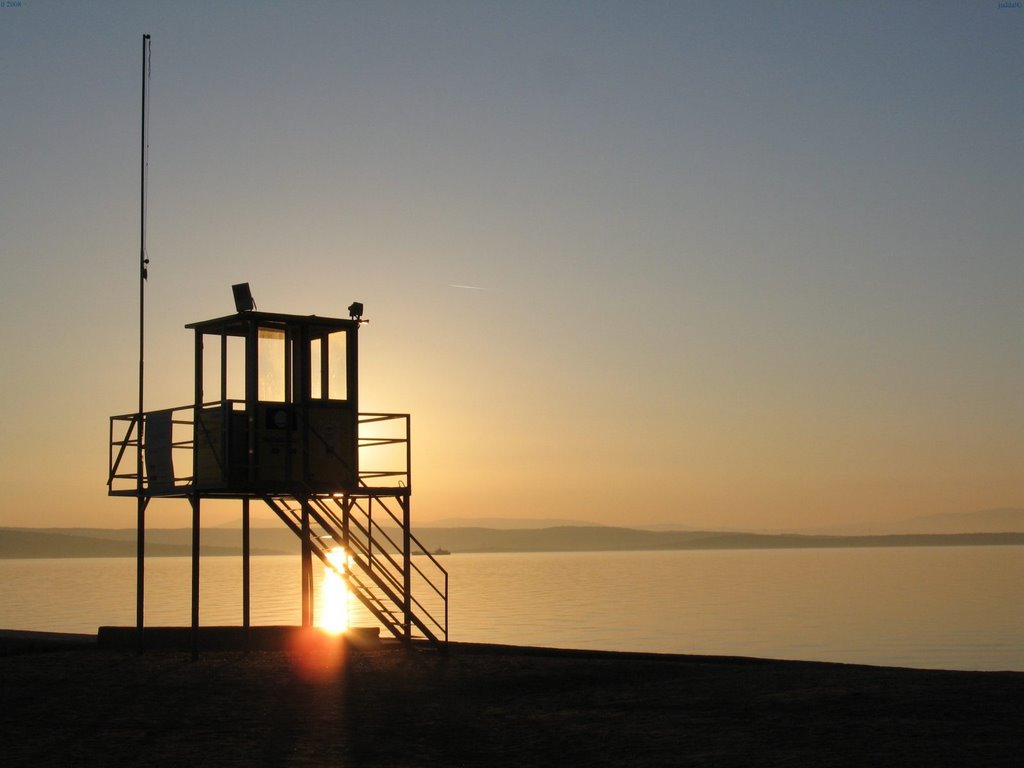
[263,638]
[13,641]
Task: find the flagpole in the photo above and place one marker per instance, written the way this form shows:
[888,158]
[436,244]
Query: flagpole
[140,422]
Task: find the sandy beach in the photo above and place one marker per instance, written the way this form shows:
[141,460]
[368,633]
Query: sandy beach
[323,703]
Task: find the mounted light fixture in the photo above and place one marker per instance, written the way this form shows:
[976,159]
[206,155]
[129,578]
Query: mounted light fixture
[355,311]
[243,298]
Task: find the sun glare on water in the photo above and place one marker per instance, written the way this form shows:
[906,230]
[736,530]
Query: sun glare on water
[334,595]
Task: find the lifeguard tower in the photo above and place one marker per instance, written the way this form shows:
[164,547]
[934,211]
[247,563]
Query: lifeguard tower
[292,438]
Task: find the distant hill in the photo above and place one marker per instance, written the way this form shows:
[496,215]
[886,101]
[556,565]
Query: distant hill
[504,523]
[1002,520]
[257,519]
[987,521]
[15,543]
[606,538]
[167,542]
[160,542]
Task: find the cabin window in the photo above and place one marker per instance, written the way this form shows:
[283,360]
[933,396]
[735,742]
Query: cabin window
[328,367]
[271,365]
[337,370]
[316,370]
[223,368]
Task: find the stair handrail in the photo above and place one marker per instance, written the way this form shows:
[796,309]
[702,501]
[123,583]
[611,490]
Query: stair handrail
[375,576]
[364,549]
[413,540]
[363,595]
[443,595]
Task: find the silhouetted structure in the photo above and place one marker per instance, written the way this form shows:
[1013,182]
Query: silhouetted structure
[275,419]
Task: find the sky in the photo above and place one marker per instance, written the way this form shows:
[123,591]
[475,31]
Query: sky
[722,265]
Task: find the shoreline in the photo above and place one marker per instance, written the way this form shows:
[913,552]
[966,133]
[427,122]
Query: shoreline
[219,638]
[332,703]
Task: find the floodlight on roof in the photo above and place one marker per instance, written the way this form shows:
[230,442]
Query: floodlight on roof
[243,298]
[355,311]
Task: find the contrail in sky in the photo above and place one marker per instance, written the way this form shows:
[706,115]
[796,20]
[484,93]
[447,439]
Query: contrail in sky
[467,287]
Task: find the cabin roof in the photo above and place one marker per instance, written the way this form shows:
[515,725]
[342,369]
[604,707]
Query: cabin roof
[240,323]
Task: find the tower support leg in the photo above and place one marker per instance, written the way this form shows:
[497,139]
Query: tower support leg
[140,574]
[194,500]
[406,567]
[346,514]
[307,568]
[246,594]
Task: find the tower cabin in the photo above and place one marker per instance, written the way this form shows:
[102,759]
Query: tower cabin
[275,420]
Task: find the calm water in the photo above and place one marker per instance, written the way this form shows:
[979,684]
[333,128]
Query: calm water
[954,608]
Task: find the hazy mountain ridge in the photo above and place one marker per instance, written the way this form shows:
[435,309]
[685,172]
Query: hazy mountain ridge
[1000,520]
[506,523]
[583,539]
[171,542]
[121,542]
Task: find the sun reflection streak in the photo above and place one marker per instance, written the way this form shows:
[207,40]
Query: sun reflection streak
[334,595]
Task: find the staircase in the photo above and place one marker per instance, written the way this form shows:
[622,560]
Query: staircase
[387,569]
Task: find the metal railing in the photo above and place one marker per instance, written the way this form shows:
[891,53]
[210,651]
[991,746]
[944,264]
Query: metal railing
[125,442]
[383,445]
[392,464]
